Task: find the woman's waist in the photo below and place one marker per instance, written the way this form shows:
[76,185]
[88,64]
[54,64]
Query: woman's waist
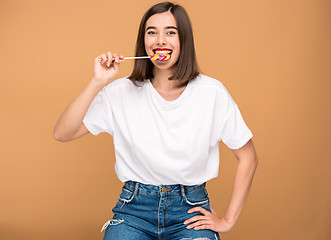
[162,189]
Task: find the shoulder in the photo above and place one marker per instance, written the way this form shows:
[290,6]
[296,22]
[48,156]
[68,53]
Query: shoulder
[124,81]
[204,82]
[123,84]
[122,88]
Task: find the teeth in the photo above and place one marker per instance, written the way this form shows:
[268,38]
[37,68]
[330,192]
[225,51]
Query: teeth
[163,52]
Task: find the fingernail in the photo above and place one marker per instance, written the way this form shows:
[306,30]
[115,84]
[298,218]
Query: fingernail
[108,64]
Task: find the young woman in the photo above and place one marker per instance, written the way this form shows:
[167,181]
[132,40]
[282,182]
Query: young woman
[166,120]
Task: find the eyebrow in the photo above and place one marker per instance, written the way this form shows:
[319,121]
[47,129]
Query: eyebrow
[168,27]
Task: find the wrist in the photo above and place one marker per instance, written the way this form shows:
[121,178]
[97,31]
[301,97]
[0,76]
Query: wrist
[97,84]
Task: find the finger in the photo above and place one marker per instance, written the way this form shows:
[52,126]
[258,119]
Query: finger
[121,58]
[110,59]
[198,224]
[194,219]
[104,59]
[116,65]
[98,58]
[199,209]
[206,226]
[116,57]
[213,211]
[116,61]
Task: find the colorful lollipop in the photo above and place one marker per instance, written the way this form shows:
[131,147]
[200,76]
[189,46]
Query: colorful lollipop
[156,57]
[160,57]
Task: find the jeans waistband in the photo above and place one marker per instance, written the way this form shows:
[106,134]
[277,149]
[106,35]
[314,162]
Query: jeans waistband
[176,188]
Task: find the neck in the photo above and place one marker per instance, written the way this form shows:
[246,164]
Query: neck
[161,79]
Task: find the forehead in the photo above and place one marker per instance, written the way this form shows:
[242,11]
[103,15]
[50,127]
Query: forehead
[161,20]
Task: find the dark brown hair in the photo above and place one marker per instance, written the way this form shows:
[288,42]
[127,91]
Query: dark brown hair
[187,68]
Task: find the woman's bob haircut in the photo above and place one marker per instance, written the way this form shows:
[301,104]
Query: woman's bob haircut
[186,66]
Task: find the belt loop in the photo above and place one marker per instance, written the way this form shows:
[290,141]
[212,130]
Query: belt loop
[182,191]
[136,189]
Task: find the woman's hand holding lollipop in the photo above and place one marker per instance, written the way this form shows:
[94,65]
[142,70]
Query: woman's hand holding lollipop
[106,67]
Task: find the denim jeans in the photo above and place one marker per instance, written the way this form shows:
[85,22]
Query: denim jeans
[148,212]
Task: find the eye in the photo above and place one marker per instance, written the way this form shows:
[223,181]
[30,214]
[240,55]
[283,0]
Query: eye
[171,32]
[151,32]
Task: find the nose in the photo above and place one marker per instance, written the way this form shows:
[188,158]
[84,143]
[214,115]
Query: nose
[161,39]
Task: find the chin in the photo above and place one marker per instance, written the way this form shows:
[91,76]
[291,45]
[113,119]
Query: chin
[165,65]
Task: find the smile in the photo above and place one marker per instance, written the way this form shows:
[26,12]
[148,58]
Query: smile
[162,51]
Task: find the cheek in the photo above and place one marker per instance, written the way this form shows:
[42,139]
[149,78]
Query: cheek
[149,39]
[148,44]
[176,43]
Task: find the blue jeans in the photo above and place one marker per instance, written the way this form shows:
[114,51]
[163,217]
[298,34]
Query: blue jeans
[148,212]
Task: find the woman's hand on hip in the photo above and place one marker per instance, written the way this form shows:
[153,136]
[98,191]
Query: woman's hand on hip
[106,67]
[209,220]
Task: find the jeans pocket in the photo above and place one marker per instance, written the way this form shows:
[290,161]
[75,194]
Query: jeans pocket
[196,197]
[127,195]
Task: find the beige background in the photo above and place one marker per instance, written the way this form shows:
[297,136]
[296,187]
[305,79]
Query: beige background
[272,55]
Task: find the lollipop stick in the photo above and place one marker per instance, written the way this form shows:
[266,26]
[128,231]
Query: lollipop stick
[136,57]
[99,59]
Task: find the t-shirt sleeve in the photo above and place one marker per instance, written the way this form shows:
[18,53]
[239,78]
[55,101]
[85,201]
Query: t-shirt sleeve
[231,128]
[235,132]
[98,117]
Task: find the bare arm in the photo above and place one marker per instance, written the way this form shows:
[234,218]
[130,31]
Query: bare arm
[70,124]
[248,162]
[247,165]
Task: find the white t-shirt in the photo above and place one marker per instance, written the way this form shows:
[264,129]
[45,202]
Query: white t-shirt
[163,142]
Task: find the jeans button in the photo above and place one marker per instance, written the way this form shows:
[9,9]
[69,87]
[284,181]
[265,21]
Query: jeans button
[165,189]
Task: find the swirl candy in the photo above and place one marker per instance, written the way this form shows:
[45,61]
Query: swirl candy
[156,57]
[160,57]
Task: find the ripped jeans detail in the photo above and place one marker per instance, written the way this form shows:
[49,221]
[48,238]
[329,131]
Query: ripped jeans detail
[112,222]
[200,238]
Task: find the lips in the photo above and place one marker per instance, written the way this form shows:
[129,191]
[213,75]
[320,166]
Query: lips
[162,51]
